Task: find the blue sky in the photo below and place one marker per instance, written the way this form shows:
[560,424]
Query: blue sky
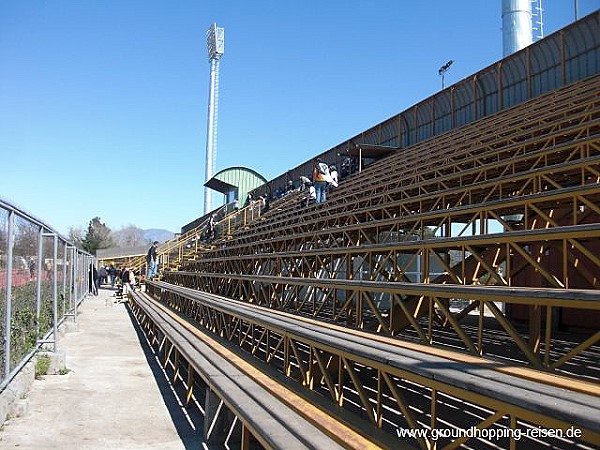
[103,104]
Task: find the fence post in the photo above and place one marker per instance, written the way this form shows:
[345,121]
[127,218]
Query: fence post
[76,278]
[8,298]
[64,277]
[55,289]
[38,295]
[69,258]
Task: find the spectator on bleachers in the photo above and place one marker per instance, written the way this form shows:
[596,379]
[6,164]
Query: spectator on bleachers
[152,261]
[334,176]
[303,182]
[321,179]
[312,194]
[265,203]
[290,187]
[349,166]
[212,222]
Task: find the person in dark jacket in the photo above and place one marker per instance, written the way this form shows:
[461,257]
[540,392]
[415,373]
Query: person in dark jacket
[126,278]
[152,261]
[93,280]
[102,276]
[112,274]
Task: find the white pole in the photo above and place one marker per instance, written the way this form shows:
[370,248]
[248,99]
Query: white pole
[215,42]
[209,163]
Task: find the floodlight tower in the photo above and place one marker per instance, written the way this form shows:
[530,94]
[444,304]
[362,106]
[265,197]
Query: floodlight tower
[215,43]
[516,25]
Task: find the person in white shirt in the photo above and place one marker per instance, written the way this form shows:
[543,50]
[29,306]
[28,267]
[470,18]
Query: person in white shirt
[333,173]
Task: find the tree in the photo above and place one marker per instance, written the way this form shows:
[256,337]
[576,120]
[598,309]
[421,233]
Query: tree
[27,235]
[129,236]
[75,235]
[98,236]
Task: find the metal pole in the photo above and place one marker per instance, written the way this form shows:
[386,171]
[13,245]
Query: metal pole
[80,278]
[75,277]
[82,269]
[87,275]
[69,287]
[64,258]
[38,295]
[442,71]
[73,284]
[85,271]
[8,298]
[55,291]
[359,159]
[210,133]
[576,9]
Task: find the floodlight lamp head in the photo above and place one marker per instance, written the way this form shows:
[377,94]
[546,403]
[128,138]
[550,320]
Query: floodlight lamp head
[445,67]
[215,42]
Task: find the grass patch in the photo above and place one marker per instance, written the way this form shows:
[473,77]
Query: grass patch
[42,364]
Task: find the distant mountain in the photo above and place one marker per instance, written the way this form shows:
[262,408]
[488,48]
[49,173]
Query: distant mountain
[154,234]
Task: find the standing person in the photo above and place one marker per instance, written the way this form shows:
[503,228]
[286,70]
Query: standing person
[321,179]
[132,280]
[126,280]
[152,261]
[112,273]
[265,203]
[312,193]
[31,265]
[212,223]
[48,270]
[93,280]
[290,187]
[102,275]
[334,176]
[304,183]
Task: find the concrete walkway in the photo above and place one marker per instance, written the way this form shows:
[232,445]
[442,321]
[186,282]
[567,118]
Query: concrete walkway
[114,397]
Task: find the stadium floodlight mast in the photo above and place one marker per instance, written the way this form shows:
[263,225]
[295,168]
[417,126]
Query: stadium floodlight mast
[215,44]
[442,70]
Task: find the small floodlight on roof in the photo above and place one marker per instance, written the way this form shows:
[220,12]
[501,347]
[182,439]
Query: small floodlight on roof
[442,70]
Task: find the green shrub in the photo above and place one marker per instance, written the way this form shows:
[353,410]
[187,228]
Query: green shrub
[42,364]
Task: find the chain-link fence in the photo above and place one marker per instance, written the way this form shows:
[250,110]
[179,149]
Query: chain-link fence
[43,278]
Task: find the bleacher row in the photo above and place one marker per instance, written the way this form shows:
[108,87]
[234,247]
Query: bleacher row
[463,160]
[545,170]
[226,385]
[371,381]
[534,169]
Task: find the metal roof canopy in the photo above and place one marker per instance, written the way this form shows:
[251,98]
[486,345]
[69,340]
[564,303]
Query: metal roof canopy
[236,179]
[219,185]
[370,151]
